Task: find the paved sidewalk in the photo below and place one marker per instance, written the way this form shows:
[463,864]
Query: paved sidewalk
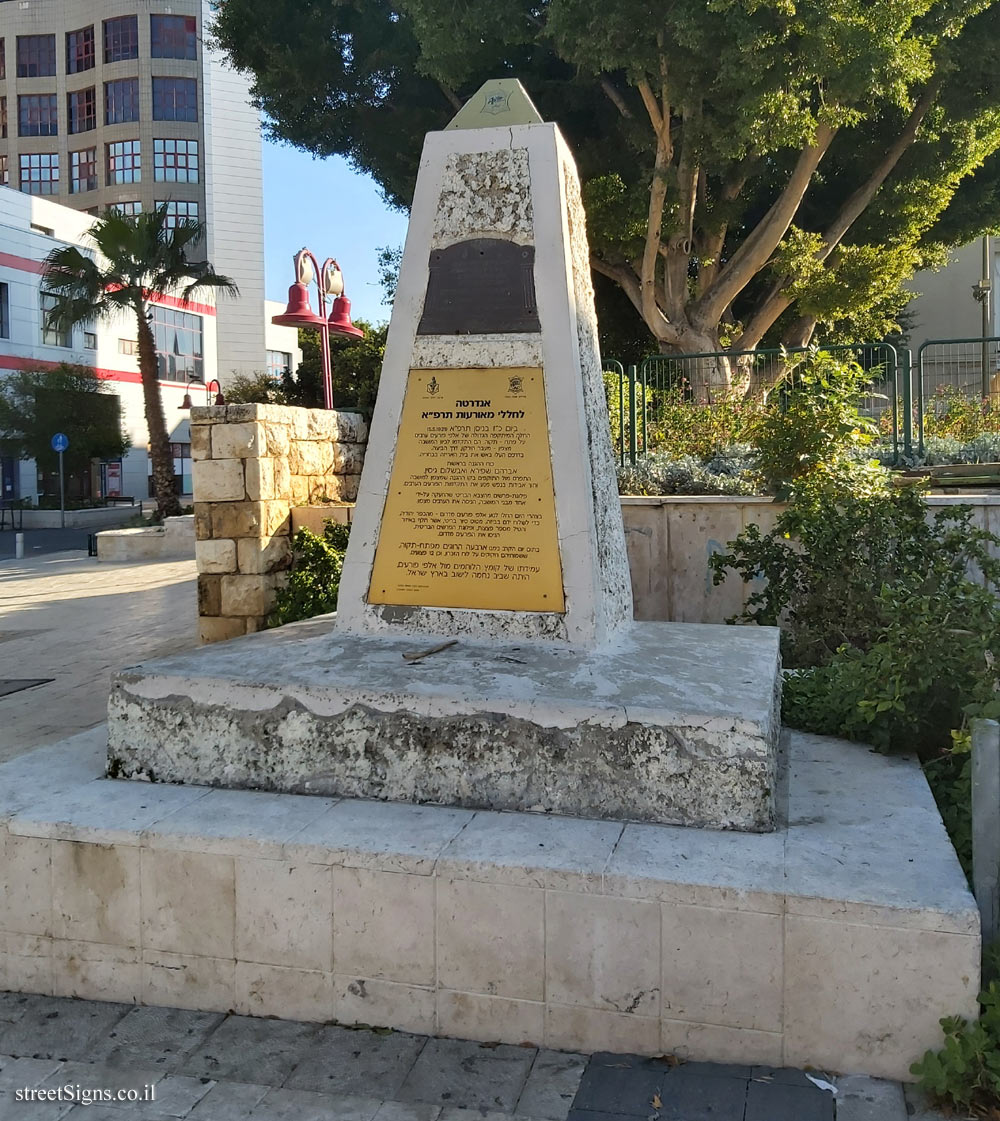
[68,618]
[212,1067]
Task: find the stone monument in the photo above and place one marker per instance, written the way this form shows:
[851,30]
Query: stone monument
[483,652]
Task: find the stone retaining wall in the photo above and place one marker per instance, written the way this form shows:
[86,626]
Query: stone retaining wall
[252,464]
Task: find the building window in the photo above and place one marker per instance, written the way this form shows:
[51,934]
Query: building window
[175,99]
[178,213]
[277,362]
[129,209]
[82,110]
[4,311]
[173,37]
[175,161]
[124,163]
[178,337]
[89,340]
[37,115]
[40,173]
[3,60]
[80,50]
[128,346]
[121,38]
[4,173]
[83,171]
[36,56]
[121,101]
[52,336]
[3,118]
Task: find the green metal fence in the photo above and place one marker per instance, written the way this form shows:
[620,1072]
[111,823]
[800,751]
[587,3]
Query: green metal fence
[956,368]
[639,395]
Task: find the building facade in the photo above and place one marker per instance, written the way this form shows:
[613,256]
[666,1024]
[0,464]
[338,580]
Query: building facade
[123,103]
[186,336]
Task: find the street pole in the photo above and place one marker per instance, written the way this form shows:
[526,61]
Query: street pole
[62,494]
[987,283]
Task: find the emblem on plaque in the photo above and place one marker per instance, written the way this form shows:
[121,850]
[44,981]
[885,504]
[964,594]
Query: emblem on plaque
[515,386]
[496,102]
[433,387]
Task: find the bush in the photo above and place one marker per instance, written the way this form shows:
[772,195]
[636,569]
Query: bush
[814,427]
[660,473]
[314,580]
[877,611]
[966,1071]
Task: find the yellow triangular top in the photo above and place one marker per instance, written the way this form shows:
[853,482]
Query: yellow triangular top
[500,101]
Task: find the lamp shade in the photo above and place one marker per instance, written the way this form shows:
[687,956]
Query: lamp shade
[298,313]
[340,319]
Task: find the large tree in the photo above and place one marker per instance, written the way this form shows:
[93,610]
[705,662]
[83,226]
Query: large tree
[753,169]
[36,404]
[139,259]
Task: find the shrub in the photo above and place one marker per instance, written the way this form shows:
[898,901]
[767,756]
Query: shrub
[314,579]
[966,1071]
[814,426]
[659,473]
[877,610]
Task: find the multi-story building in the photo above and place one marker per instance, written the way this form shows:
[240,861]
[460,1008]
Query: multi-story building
[123,103]
[185,333]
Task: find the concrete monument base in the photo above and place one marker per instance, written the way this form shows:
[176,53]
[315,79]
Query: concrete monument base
[668,722]
[836,942]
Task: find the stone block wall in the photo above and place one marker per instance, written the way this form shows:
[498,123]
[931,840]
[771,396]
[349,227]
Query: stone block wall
[252,465]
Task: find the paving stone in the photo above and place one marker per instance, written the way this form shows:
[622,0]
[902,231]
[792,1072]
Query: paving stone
[860,1098]
[786,1075]
[341,1061]
[17,1074]
[13,1006]
[176,1095]
[303,1105]
[708,1098]
[408,1111]
[229,1101]
[100,1076]
[551,1086]
[587,1115]
[713,1070]
[151,1036]
[453,1114]
[625,1091]
[245,1049]
[452,1072]
[918,1108]
[53,1028]
[11,1110]
[783,1101]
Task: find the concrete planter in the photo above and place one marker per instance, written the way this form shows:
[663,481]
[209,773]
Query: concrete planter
[99,518]
[174,540]
[670,540]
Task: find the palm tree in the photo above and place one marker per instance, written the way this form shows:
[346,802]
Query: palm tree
[143,259]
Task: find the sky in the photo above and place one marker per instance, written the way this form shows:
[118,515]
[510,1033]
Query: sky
[332,210]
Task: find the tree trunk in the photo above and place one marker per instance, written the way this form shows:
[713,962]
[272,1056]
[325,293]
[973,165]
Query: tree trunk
[707,377]
[156,425]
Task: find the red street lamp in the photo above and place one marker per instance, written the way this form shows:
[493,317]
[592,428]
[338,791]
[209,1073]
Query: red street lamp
[300,314]
[219,399]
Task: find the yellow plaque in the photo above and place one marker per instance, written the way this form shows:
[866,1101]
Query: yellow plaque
[470,517]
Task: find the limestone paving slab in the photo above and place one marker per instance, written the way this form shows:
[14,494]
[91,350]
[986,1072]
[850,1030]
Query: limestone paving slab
[245,1049]
[667,722]
[469,1075]
[344,1061]
[150,1035]
[60,1029]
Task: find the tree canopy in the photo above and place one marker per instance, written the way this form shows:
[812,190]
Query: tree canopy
[753,169]
[36,404]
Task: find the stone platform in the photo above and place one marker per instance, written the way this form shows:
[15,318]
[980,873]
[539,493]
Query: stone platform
[836,942]
[672,723]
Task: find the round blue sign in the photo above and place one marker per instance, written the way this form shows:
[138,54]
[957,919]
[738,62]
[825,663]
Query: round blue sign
[60,442]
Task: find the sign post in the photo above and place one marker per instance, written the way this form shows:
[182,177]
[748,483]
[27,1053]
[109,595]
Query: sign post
[60,442]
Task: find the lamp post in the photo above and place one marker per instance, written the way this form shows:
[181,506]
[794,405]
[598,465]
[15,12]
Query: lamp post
[329,282]
[219,399]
